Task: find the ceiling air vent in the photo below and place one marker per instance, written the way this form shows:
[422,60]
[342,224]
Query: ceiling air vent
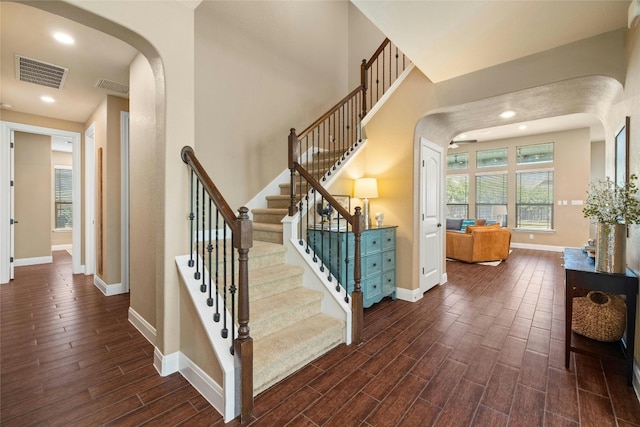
[113,86]
[41,73]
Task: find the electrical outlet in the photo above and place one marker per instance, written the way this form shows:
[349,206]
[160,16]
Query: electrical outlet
[530,236]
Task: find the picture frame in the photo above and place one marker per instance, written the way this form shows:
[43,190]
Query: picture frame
[344,200]
[622,153]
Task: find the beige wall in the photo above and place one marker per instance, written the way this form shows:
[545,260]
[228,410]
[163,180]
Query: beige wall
[389,157]
[629,105]
[572,158]
[48,122]
[163,32]
[261,69]
[364,39]
[144,222]
[32,194]
[59,237]
[107,137]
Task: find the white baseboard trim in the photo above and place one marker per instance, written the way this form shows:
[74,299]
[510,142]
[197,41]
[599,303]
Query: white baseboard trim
[144,327]
[408,295]
[108,290]
[200,380]
[538,247]
[206,386]
[166,365]
[33,261]
[61,247]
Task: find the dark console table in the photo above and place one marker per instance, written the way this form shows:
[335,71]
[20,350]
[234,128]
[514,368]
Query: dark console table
[580,273]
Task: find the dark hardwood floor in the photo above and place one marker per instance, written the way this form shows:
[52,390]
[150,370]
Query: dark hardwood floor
[485,349]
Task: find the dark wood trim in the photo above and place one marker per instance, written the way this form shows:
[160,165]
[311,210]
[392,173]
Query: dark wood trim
[330,112]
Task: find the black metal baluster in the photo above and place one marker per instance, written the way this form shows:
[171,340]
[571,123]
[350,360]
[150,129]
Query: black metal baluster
[191,216]
[225,331]
[383,73]
[216,315]
[210,249]
[300,211]
[233,290]
[203,285]
[346,266]
[397,62]
[196,275]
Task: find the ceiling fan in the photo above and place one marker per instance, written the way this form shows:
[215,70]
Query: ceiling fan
[457,143]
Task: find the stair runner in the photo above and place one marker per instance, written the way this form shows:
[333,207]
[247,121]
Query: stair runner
[287,325]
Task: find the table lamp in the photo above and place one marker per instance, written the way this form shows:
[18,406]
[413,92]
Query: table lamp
[499,212]
[365,189]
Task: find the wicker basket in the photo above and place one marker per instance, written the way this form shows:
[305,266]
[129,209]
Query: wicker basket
[600,316]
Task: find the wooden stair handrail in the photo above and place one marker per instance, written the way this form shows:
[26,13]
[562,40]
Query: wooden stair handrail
[357,226]
[330,112]
[242,231]
[377,53]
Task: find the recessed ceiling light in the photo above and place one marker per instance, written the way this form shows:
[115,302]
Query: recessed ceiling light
[522,127]
[63,38]
[47,99]
[507,114]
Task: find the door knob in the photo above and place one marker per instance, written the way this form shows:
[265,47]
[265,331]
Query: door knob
[439,225]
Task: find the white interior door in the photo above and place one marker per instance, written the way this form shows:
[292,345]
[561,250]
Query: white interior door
[430,215]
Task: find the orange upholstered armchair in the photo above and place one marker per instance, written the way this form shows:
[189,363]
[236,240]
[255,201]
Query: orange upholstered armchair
[479,243]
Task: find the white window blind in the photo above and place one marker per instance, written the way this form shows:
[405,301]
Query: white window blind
[63,197]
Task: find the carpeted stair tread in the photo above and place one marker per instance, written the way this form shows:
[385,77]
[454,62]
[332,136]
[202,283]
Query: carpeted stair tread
[266,232]
[269,215]
[280,354]
[274,279]
[283,309]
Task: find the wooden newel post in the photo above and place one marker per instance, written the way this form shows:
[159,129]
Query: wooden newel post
[294,156]
[243,345]
[363,82]
[357,307]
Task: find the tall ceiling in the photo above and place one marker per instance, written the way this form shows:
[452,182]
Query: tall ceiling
[28,32]
[445,39]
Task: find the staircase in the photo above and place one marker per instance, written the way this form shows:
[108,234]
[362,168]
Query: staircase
[267,226]
[287,325]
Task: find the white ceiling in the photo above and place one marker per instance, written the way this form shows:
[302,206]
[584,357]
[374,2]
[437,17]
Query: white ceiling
[28,31]
[444,39]
[447,39]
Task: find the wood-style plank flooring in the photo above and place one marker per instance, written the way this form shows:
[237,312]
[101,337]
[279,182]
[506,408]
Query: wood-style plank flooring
[485,349]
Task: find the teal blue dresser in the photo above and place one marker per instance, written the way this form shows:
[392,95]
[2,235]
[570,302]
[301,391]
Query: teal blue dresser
[378,250]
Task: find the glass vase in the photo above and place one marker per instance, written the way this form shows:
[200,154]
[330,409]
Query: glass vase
[611,248]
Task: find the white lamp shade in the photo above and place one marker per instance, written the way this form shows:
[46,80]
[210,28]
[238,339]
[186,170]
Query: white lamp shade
[365,188]
[499,210]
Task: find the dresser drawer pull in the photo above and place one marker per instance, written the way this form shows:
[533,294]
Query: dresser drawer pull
[375,264]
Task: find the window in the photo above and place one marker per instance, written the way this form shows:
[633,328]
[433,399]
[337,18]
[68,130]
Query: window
[491,196]
[458,161]
[491,158]
[534,200]
[63,199]
[457,196]
[539,153]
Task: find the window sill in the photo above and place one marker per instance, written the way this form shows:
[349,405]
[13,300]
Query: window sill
[533,230]
[62,230]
